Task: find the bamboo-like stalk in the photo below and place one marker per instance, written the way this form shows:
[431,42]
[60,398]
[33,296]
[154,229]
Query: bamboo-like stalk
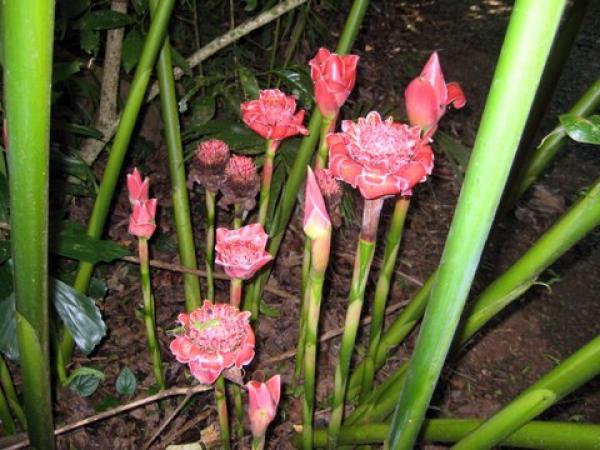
[28,29]
[150,314]
[576,223]
[267,175]
[209,252]
[221,401]
[152,45]
[382,290]
[362,266]
[528,39]
[534,435]
[11,394]
[179,192]
[8,424]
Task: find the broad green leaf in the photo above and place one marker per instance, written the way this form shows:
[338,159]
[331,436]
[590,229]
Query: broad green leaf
[199,82]
[132,49]
[268,311]
[203,109]
[250,5]
[298,79]
[140,6]
[457,154]
[63,71]
[237,135]
[582,129]
[80,315]
[89,41]
[85,380]
[126,383]
[249,83]
[75,128]
[108,402]
[8,328]
[104,19]
[180,61]
[62,164]
[73,242]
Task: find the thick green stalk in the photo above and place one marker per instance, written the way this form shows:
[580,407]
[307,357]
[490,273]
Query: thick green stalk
[509,419]
[528,39]
[320,248]
[576,223]
[534,435]
[362,267]
[8,424]
[28,29]
[209,254]
[304,155]
[265,186]
[150,314]
[392,245]
[152,45]
[11,394]
[235,292]
[221,401]
[258,443]
[179,192]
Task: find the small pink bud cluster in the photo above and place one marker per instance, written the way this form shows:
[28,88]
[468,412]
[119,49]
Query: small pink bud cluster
[208,168]
[142,219]
[242,183]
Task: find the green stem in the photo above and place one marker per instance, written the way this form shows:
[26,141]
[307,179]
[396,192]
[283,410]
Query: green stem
[28,40]
[238,220]
[382,290]
[152,45]
[327,126]
[235,292]
[179,192]
[528,39]
[258,443]
[8,425]
[265,186]
[150,314]
[221,401]
[239,411]
[362,266]
[11,394]
[209,254]
[534,435]
[319,260]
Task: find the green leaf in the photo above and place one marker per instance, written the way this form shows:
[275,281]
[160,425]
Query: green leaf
[582,129]
[268,311]
[4,252]
[75,128]
[89,41]
[6,279]
[126,383]
[104,19]
[85,380]
[457,154]
[203,109]
[298,79]
[8,328]
[237,135]
[80,315]
[140,6]
[73,242]
[4,197]
[63,71]
[132,49]
[249,83]
[180,61]
[108,402]
[250,5]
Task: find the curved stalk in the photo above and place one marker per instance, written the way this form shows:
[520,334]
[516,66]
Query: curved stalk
[27,40]
[528,39]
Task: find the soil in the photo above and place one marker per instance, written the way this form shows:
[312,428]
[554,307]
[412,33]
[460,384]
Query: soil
[526,340]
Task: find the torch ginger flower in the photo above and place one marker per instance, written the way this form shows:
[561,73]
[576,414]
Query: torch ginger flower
[242,252]
[379,157]
[264,398]
[138,189]
[141,220]
[214,338]
[428,95]
[210,163]
[242,183]
[273,115]
[333,77]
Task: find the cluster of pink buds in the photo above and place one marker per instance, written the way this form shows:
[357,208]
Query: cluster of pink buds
[208,168]
[142,219]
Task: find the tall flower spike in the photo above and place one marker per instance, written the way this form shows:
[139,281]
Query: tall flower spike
[333,77]
[138,189]
[208,168]
[273,115]
[242,252]
[428,95]
[379,157]
[316,219]
[264,398]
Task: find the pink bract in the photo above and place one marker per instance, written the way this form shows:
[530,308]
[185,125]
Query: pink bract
[138,189]
[273,115]
[213,156]
[242,252]
[214,338]
[316,219]
[242,183]
[141,220]
[332,193]
[428,95]
[379,157]
[333,77]
[264,398]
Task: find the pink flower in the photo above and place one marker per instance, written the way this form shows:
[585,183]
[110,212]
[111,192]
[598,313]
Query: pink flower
[141,220]
[334,77]
[208,168]
[242,183]
[380,157]
[214,338]
[264,398]
[428,95]
[316,219]
[138,189]
[273,115]
[242,252]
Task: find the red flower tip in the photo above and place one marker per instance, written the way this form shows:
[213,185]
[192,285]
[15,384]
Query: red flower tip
[242,252]
[273,115]
[214,338]
[138,189]
[264,398]
[213,155]
[316,219]
[333,77]
[379,157]
[428,95]
[141,220]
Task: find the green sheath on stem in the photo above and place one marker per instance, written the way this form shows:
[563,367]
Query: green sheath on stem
[179,193]
[8,423]
[27,30]
[267,175]
[528,39]
[11,394]
[209,255]
[152,45]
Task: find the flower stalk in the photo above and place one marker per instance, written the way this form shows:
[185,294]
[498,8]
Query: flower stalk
[362,266]
[209,254]
[221,401]
[27,37]
[530,33]
[8,424]
[267,175]
[11,394]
